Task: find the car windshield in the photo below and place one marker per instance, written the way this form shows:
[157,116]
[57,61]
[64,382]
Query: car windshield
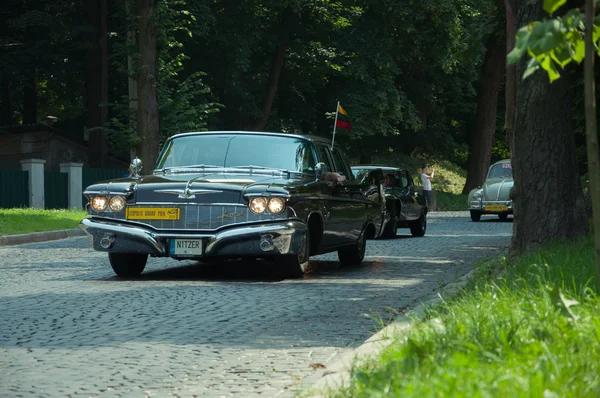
[231,150]
[502,170]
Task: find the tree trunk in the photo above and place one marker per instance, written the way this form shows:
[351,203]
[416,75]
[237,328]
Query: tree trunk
[511,73]
[30,100]
[97,83]
[547,197]
[147,115]
[276,68]
[593,150]
[482,137]
[6,113]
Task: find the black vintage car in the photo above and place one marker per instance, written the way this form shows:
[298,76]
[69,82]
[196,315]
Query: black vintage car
[224,195]
[407,208]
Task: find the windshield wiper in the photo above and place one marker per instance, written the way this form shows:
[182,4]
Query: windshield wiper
[251,166]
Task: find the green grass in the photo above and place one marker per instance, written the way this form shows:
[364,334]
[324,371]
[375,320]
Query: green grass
[451,202]
[515,335]
[24,220]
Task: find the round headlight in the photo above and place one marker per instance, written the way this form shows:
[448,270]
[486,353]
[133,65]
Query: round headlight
[116,203]
[99,203]
[258,205]
[276,205]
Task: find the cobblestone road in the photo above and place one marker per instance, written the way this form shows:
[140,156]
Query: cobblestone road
[68,327]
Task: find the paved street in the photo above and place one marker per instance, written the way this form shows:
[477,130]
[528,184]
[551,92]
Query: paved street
[68,327]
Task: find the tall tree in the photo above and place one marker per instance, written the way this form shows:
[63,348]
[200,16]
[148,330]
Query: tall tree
[482,136]
[97,82]
[147,113]
[543,157]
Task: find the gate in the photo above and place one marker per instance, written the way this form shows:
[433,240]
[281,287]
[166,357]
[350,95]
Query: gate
[14,188]
[91,176]
[56,190]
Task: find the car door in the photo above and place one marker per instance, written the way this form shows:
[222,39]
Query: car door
[406,197]
[331,204]
[417,198]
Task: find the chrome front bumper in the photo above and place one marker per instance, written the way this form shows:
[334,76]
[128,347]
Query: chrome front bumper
[283,237]
[481,206]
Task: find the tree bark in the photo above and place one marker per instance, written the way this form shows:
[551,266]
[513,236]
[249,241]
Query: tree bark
[274,74]
[593,150]
[511,72]
[6,113]
[482,137]
[547,196]
[30,99]
[97,83]
[147,115]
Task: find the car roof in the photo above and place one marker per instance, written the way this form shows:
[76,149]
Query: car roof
[313,138]
[503,161]
[374,166]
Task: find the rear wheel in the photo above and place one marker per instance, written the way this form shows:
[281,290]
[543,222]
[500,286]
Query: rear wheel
[419,226]
[503,216]
[354,254]
[127,264]
[292,265]
[475,215]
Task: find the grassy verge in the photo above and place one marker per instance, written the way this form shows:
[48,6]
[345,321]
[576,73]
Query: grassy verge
[451,202]
[534,331]
[22,221]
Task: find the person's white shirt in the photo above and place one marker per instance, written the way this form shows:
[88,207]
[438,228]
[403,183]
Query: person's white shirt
[426,182]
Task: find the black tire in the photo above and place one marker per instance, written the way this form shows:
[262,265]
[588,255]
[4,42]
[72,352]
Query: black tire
[503,216]
[475,215]
[292,266]
[127,264]
[391,228]
[354,254]
[419,226]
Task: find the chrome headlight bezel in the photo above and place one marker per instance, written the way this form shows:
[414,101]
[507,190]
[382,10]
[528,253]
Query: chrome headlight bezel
[117,203]
[99,203]
[273,205]
[258,205]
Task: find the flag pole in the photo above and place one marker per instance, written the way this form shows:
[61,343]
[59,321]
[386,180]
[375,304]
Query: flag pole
[335,124]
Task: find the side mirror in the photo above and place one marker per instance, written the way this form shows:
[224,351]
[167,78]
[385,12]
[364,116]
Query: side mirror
[321,170]
[135,167]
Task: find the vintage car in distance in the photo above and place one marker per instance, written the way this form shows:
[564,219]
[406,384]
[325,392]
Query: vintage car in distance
[407,208]
[494,196]
[228,195]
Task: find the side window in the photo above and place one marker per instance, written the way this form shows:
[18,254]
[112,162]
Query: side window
[340,165]
[324,156]
[404,179]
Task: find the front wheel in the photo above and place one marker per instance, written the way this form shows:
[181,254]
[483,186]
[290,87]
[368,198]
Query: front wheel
[419,227]
[127,264]
[475,215]
[292,265]
[503,216]
[355,254]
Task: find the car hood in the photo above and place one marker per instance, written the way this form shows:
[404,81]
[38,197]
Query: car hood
[497,189]
[198,187]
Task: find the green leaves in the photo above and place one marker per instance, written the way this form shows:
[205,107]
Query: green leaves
[553,43]
[552,5]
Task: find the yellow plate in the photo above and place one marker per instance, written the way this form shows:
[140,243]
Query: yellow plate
[496,208]
[152,213]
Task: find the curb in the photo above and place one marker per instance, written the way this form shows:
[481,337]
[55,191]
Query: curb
[36,237]
[337,374]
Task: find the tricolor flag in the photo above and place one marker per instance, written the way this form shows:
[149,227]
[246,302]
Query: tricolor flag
[342,121]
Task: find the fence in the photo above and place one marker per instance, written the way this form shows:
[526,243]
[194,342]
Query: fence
[14,188]
[56,190]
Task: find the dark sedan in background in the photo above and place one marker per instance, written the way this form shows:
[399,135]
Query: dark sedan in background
[406,206]
[226,195]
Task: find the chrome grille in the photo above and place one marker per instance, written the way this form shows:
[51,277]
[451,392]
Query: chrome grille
[207,216]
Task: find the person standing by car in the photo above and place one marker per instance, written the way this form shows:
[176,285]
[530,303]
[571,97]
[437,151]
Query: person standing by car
[426,179]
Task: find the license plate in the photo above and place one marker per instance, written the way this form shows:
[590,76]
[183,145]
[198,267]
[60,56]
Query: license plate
[186,247]
[496,208]
[152,213]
